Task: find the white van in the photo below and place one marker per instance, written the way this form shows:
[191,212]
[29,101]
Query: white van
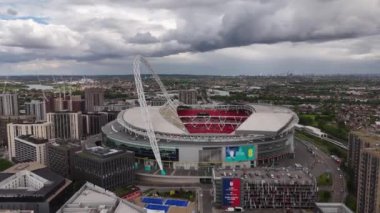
[230,209]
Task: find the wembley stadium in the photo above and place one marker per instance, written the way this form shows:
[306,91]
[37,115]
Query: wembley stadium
[180,140]
[203,136]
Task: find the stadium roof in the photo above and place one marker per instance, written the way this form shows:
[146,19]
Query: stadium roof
[160,124]
[264,122]
[266,119]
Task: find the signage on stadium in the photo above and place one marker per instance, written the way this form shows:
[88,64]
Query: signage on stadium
[231,192]
[240,153]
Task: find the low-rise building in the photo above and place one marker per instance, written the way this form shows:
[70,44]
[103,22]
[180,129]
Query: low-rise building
[92,198]
[32,186]
[108,168]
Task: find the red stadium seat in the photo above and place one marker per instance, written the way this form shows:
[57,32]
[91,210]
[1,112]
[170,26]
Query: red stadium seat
[217,121]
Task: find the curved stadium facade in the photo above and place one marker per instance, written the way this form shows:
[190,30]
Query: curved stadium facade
[196,137]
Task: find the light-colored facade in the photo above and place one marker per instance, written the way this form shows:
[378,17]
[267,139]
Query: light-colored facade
[32,186]
[357,141]
[67,125]
[39,130]
[8,104]
[36,108]
[92,198]
[30,149]
[5,120]
[24,180]
[269,138]
[331,208]
[368,192]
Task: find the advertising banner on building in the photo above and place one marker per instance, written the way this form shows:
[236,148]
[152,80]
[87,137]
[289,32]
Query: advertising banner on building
[231,192]
[240,153]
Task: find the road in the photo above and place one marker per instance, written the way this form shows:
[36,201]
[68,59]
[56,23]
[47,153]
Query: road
[318,164]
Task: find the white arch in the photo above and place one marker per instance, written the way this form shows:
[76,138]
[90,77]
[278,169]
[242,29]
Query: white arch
[144,108]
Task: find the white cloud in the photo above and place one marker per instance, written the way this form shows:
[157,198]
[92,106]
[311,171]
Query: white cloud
[237,31]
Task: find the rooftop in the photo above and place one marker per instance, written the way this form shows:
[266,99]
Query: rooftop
[373,151]
[265,119]
[65,145]
[265,122]
[333,208]
[160,124]
[367,136]
[100,152]
[289,175]
[32,139]
[92,198]
[42,183]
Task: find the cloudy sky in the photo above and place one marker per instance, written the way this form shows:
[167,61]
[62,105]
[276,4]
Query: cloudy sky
[220,37]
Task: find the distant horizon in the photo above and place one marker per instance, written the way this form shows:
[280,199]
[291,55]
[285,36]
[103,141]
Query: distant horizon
[180,74]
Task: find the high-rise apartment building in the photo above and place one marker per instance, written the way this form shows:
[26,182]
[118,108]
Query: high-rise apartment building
[39,130]
[93,96]
[108,168]
[368,191]
[67,125]
[357,141]
[72,103]
[30,149]
[8,104]
[188,96]
[36,108]
[93,122]
[5,120]
[76,103]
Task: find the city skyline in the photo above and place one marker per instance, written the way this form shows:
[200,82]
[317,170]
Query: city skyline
[191,37]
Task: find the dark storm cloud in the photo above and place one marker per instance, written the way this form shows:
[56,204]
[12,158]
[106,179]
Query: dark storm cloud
[12,12]
[286,21]
[143,38]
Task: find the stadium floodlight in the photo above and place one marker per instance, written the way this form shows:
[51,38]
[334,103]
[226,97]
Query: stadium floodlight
[144,108]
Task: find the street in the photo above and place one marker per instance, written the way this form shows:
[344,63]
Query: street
[318,164]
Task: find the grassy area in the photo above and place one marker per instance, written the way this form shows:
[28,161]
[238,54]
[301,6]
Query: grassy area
[324,179]
[324,196]
[123,190]
[180,194]
[350,202]
[326,123]
[4,164]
